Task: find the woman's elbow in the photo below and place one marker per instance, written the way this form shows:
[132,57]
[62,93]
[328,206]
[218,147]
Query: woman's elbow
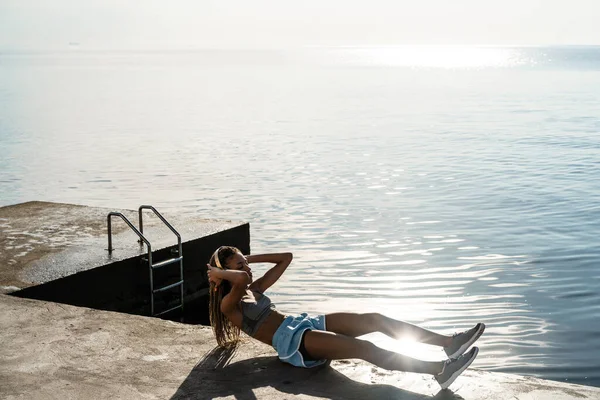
[242,279]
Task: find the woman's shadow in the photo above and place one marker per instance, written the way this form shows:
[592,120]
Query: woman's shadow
[251,379]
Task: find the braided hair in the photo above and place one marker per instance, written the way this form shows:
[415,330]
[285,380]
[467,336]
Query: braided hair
[226,333]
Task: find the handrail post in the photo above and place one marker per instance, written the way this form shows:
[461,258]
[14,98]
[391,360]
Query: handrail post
[109,234]
[140,220]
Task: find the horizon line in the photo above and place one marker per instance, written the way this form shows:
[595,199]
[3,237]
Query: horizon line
[70,48]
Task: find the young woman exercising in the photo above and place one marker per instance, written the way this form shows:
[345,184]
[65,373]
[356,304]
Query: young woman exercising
[238,302]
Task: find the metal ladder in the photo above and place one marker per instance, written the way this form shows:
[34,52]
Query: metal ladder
[152,266]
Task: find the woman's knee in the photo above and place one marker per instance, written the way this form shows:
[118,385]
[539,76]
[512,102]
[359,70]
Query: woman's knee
[367,323]
[368,351]
[375,318]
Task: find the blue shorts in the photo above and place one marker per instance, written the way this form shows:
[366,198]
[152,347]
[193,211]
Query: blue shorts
[288,336]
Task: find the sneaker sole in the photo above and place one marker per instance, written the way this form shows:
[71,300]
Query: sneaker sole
[456,374]
[468,344]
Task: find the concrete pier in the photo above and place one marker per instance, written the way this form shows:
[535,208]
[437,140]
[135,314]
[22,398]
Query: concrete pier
[57,351]
[58,252]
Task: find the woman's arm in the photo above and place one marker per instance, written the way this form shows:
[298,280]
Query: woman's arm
[281,261]
[235,277]
[238,279]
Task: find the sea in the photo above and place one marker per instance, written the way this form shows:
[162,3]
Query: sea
[439,185]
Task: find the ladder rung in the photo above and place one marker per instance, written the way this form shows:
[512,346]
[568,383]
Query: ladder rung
[166,262]
[170,309]
[167,287]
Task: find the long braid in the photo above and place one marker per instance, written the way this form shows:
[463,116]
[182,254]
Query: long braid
[226,333]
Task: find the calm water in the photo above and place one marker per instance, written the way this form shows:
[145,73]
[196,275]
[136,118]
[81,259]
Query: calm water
[442,186]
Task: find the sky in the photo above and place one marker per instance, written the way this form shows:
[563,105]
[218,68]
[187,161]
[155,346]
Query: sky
[197,24]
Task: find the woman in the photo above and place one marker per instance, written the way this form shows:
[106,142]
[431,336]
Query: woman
[238,302]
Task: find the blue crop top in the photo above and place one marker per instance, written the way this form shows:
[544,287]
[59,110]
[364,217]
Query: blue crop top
[254,314]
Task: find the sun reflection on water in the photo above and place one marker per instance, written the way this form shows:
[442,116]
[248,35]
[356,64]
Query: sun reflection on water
[445,57]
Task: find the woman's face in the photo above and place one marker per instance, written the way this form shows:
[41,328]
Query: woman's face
[238,262]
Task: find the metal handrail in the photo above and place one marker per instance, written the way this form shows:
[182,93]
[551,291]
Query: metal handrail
[124,218]
[143,239]
[180,253]
[148,207]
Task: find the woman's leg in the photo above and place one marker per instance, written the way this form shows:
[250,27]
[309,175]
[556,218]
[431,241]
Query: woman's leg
[331,346]
[352,324]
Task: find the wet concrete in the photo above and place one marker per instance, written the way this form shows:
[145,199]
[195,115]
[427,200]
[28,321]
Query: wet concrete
[58,252]
[53,350]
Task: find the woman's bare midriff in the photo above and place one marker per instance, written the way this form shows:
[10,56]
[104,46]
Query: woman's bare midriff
[269,327]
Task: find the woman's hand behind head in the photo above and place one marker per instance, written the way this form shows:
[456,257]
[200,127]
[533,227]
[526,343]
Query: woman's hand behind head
[213,275]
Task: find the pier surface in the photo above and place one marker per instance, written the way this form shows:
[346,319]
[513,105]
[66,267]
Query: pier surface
[53,350]
[43,241]
[58,252]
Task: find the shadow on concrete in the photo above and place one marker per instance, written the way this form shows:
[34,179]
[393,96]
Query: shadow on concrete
[214,377]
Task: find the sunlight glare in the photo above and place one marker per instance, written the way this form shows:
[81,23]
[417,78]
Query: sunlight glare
[408,347]
[446,57]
